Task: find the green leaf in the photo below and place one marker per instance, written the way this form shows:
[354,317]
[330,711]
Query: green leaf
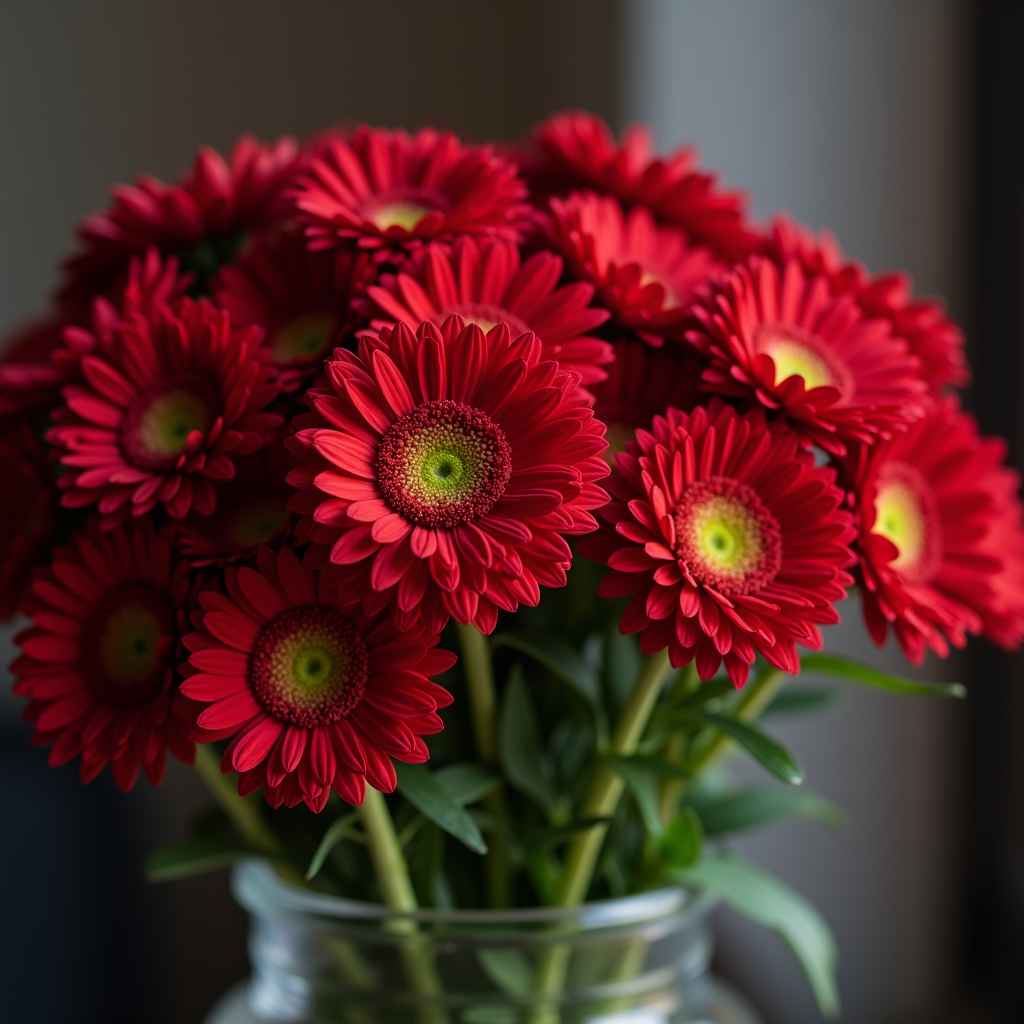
[426,863]
[508,969]
[195,857]
[767,752]
[550,837]
[643,784]
[431,799]
[519,749]
[796,700]
[622,665]
[759,805]
[651,763]
[680,845]
[467,783]
[766,900]
[343,827]
[854,672]
[564,663]
[708,691]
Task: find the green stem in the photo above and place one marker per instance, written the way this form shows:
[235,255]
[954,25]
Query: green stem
[601,801]
[244,811]
[483,703]
[393,877]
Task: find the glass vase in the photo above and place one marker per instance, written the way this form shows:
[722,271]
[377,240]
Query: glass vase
[319,959]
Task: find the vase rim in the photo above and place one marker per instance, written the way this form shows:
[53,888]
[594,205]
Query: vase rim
[256,884]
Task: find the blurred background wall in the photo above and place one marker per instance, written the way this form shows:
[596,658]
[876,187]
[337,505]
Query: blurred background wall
[858,114]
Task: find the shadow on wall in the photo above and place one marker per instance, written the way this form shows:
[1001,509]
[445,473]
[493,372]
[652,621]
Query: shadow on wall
[96,93]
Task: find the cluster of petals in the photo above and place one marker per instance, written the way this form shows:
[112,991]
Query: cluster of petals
[645,274]
[801,542]
[778,337]
[941,541]
[507,538]
[301,298]
[182,368]
[45,356]
[28,517]
[578,151]
[487,283]
[200,218]
[929,333]
[98,663]
[388,191]
[300,748]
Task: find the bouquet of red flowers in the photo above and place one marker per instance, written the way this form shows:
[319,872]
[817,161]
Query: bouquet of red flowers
[314,420]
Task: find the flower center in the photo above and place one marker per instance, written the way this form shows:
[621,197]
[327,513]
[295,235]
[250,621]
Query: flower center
[402,207]
[443,464]
[647,277]
[906,513]
[726,537]
[160,420]
[309,666]
[484,316]
[798,353]
[123,659]
[256,522]
[304,338]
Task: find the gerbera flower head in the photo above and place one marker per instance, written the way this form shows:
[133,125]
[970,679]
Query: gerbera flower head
[388,191]
[645,274]
[930,335]
[487,283]
[301,299]
[201,219]
[941,545]
[443,469]
[252,510]
[45,357]
[780,338]
[28,517]
[314,696]
[730,539]
[175,396]
[98,662]
[578,151]
[642,383]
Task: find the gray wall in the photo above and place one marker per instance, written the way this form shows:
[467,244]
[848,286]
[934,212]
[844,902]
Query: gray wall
[849,114]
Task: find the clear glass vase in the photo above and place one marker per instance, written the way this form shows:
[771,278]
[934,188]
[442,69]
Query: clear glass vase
[316,958]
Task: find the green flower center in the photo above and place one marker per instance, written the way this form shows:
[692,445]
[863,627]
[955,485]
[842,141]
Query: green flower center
[485,316]
[123,660]
[304,338]
[726,536]
[160,420]
[309,666]
[906,513]
[402,207]
[256,522]
[443,464]
[798,353]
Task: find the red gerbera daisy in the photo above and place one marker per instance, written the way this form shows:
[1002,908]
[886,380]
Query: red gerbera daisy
[300,298]
[644,274]
[487,284]
[578,151]
[941,544]
[175,396]
[731,539]
[252,509]
[98,662]
[46,356]
[200,219]
[442,471]
[937,342]
[315,696]
[643,383]
[389,191]
[780,338]
[28,516]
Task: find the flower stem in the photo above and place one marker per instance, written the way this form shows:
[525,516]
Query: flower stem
[244,811]
[393,876]
[601,801]
[483,704]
